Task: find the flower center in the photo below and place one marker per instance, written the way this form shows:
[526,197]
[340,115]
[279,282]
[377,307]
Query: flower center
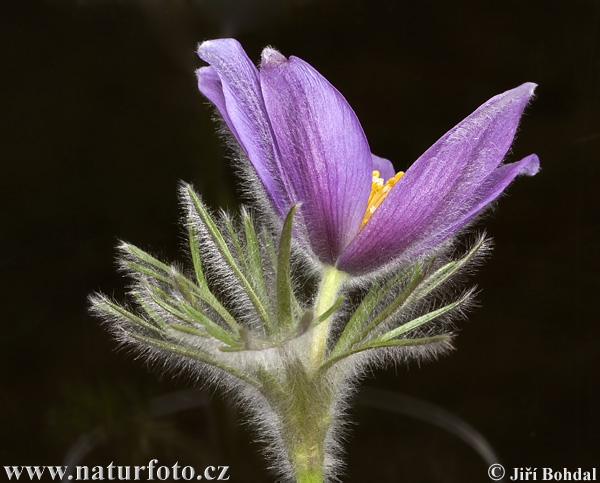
[379,191]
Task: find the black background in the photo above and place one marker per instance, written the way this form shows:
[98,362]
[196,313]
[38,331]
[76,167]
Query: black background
[100,120]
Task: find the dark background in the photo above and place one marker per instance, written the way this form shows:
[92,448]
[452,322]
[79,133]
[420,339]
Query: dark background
[101,118]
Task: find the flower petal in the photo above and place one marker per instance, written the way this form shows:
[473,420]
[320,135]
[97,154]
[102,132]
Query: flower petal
[232,84]
[210,85]
[493,186]
[324,152]
[384,166]
[441,187]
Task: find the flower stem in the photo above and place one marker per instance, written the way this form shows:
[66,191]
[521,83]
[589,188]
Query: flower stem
[305,416]
[326,297]
[308,461]
[310,476]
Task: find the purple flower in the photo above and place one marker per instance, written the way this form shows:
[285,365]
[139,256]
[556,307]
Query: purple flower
[308,147]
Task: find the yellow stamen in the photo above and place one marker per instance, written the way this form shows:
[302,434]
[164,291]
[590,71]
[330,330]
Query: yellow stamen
[378,192]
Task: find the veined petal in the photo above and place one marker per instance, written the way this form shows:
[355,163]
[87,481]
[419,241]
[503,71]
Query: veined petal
[438,192]
[232,84]
[324,152]
[384,166]
[209,83]
[493,186]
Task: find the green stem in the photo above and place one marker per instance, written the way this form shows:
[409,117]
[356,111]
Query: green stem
[304,412]
[308,459]
[310,476]
[326,297]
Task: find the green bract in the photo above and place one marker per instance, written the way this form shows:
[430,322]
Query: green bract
[241,318]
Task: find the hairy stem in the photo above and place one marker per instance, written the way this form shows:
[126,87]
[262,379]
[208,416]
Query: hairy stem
[304,411]
[310,476]
[326,297]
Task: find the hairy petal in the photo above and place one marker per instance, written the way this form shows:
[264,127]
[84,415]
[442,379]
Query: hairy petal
[443,189]
[493,186]
[209,83]
[232,84]
[324,152]
[384,166]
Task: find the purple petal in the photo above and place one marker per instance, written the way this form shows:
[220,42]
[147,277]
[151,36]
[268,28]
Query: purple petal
[385,168]
[432,200]
[210,85]
[493,186]
[324,152]
[232,84]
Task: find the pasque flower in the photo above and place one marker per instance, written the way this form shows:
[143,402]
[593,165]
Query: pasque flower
[308,148]
[240,317]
